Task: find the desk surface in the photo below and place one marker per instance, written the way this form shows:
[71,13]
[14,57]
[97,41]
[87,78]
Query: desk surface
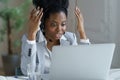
[13,78]
[114,75]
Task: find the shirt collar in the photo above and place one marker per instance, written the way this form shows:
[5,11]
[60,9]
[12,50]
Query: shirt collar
[63,41]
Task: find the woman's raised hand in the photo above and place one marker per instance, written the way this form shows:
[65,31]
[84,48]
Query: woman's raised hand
[34,22]
[80,24]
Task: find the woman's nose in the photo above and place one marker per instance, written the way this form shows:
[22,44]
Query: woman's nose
[59,28]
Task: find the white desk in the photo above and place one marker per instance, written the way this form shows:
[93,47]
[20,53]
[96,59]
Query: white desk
[114,75]
[13,78]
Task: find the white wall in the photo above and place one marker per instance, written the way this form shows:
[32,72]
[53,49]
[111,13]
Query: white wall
[101,23]
[118,32]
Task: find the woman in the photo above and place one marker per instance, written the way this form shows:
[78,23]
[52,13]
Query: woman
[51,16]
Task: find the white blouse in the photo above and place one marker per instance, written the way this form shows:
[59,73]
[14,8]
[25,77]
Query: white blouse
[38,55]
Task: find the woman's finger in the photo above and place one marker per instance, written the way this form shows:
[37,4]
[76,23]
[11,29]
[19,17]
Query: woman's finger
[33,11]
[31,14]
[78,10]
[40,14]
[36,14]
[78,14]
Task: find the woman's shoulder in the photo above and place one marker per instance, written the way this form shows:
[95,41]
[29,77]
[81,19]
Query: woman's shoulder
[70,36]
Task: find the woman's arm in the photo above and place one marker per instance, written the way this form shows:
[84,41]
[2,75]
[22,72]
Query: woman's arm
[29,49]
[80,24]
[28,54]
[34,22]
[80,27]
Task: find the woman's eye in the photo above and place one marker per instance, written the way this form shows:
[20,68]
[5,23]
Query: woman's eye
[53,24]
[63,24]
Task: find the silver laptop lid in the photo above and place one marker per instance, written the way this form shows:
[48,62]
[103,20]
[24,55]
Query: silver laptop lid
[81,62]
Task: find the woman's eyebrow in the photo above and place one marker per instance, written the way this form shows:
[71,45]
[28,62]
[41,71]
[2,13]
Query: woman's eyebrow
[53,21]
[56,21]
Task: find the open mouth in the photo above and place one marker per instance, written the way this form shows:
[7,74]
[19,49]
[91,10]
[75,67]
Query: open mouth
[58,35]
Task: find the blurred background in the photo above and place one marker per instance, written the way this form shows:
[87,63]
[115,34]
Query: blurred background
[13,18]
[101,19]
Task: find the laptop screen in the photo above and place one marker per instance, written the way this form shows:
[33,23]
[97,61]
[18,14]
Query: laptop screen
[81,62]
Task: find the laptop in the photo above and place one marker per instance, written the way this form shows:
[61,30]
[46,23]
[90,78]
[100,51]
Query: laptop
[81,62]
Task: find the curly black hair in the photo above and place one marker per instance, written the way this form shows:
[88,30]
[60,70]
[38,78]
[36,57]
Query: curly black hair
[50,7]
[49,3]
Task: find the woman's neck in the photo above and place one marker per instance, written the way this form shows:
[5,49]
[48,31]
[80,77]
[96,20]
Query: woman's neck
[51,43]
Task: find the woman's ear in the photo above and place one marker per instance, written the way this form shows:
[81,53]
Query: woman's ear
[42,27]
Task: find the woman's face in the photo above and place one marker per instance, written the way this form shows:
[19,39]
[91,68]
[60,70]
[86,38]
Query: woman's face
[55,26]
